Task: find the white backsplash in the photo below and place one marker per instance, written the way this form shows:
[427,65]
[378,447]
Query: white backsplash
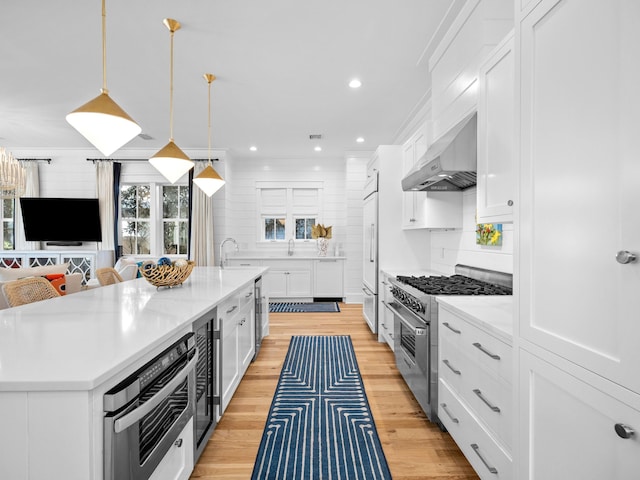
[451,247]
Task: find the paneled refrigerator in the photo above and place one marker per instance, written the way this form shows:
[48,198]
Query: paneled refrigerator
[370,260]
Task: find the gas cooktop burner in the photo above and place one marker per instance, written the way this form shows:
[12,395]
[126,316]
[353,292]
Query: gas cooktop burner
[453,285]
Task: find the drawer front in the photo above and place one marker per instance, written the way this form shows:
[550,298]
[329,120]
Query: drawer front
[288,265]
[487,395]
[228,308]
[243,262]
[488,459]
[246,295]
[485,350]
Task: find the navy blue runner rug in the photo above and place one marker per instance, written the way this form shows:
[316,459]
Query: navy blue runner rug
[303,307]
[320,425]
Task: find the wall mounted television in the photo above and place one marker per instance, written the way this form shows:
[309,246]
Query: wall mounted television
[61,221]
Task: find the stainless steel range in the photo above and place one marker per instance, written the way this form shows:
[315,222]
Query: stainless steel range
[416,324]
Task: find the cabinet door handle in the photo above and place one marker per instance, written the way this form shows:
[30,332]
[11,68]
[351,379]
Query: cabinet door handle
[232,309]
[446,410]
[453,369]
[486,464]
[242,321]
[485,351]
[248,295]
[446,324]
[487,402]
[624,431]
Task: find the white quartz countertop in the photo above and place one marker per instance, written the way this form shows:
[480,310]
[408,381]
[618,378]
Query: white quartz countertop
[79,341]
[493,313]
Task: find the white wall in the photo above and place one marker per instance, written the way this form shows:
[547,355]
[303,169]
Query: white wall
[451,247]
[342,182]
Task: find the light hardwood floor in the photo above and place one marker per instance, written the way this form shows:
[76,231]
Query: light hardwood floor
[413,446]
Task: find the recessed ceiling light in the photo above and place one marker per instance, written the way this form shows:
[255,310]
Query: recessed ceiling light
[252,148]
[359,139]
[318,149]
[355,83]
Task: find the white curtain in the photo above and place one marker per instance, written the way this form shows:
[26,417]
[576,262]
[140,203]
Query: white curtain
[32,190]
[202,245]
[104,192]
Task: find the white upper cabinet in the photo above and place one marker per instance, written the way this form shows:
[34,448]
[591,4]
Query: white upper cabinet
[579,191]
[496,115]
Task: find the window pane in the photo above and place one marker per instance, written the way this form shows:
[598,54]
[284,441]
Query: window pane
[184,203]
[144,246]
[184,232]
[135,238]
[128,201]
[303,228]
[280,229]
[144,201]
[7,235]
[170,201]
[269,230]
[170,238]
[7,208]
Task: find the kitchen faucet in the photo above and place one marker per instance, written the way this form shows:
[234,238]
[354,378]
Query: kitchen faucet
[223,258]
[290,247]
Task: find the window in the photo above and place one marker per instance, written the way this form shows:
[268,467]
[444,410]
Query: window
[303,228]
[154,219]
[288,212]
[8,239]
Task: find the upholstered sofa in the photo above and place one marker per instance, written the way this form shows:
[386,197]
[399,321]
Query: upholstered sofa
[72,281]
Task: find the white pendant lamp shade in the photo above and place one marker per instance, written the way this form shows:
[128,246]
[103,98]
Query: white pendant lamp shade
[209,181]
[171,162]
[101,120]
[104,124]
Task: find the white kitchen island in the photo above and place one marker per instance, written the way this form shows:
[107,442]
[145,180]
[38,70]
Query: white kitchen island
[58,358]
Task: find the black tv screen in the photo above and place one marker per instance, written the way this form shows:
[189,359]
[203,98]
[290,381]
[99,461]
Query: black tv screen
[69,220]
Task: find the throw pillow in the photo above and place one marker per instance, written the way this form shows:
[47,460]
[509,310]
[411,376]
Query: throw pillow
[58,281]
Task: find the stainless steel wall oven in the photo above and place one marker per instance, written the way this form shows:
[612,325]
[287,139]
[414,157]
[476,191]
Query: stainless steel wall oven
[145,414]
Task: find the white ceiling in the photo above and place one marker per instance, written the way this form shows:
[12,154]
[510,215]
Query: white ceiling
[282,69]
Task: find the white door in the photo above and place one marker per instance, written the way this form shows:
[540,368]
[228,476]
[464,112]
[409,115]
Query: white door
[572,427]
[579,179]
[370,265]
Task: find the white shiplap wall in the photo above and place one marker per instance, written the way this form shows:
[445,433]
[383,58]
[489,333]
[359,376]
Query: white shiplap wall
[342,183]
[451,247]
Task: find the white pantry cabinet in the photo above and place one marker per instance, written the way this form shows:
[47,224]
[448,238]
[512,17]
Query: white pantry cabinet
[578,289]
[496,115]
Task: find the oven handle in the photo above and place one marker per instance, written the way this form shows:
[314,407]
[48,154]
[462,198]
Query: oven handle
[415,329]
[134,416]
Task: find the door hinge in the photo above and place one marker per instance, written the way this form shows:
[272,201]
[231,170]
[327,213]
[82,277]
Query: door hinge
[216,334]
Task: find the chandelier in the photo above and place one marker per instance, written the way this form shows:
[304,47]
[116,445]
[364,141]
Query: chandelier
[12,176]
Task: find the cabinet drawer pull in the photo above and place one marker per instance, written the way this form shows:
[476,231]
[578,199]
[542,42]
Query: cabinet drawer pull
[446,410]
[248,295]
[242,321]
[484,350]
[446,324]
[624,431]
[232,309]
[446,362]
[476,449]
[487,402]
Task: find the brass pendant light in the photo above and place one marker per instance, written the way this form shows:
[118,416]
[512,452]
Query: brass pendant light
[170,161]
[208,180]
[101,120]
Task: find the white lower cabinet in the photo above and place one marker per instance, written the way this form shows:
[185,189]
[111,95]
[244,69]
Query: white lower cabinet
[328,278]
[385,315]
[288,278]
[236,318]
[475,393]
[575,429]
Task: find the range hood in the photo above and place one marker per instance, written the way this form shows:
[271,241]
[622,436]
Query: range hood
[449,165]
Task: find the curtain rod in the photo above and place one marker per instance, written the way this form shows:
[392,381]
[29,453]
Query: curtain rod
[94,160]
[48,160]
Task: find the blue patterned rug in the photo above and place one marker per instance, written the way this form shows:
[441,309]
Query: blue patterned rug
[320,425]
[301,307]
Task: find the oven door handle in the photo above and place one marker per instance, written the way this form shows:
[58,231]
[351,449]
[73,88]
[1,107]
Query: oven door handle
[415,329]
[134,416]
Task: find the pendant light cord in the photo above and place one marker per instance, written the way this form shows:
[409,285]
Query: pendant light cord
[104,48]
[171,91]
[209,118]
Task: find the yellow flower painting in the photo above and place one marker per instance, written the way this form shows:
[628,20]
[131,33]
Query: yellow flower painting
[489,234]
